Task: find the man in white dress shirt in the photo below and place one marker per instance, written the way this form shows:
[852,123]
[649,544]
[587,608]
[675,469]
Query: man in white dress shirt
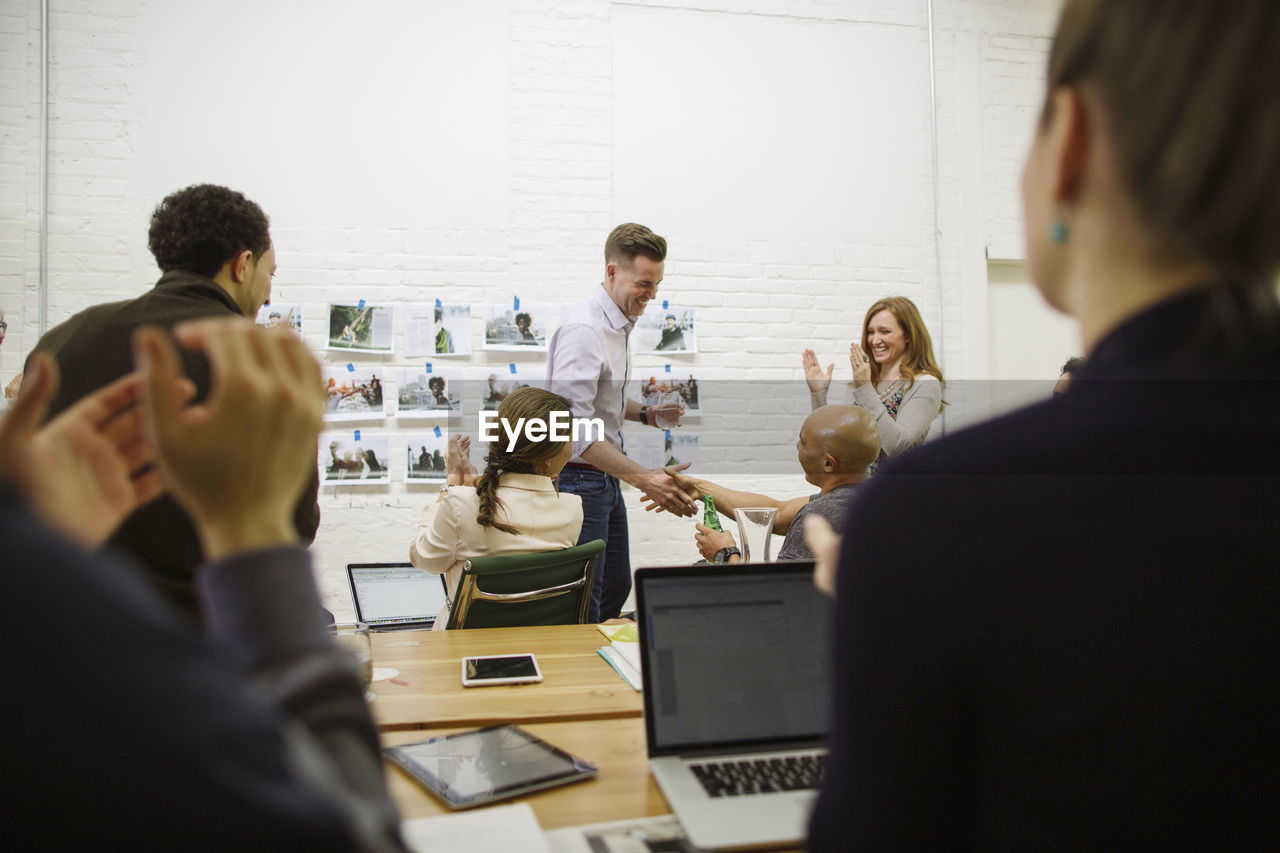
[589,364]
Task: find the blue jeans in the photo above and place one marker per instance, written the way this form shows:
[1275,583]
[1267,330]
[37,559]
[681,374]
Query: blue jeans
[604,516]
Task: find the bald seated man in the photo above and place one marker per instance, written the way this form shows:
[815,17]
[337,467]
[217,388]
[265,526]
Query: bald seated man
[836,445]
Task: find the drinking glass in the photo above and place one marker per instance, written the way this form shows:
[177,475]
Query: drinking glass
[667,418]
[755,532]
[354,637]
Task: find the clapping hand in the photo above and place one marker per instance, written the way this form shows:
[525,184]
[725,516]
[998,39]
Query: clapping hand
[825,545]
[264,410]
[88,468]
[813,373]
[860,363]
[458,460]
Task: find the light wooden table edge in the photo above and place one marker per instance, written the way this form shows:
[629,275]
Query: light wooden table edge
[481,722]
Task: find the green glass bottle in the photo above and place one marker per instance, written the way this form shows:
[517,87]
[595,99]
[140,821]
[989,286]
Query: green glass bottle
[709,515]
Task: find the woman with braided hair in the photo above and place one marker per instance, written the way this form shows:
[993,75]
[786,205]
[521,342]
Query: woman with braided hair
[512,507]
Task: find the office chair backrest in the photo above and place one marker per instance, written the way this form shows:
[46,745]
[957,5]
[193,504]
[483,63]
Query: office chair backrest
[547,588]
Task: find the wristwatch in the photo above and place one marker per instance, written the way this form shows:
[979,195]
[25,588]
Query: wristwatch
[723,555]
[644,415]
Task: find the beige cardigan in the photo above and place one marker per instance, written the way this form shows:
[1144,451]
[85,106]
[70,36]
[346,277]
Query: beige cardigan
[448,534]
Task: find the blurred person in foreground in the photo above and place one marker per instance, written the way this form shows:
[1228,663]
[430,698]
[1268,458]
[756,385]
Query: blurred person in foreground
[254,736]
[214,250]
[1082,653]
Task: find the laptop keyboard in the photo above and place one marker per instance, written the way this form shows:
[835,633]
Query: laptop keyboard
[760,776]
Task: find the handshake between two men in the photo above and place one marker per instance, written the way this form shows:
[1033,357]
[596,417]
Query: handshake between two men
[835,446]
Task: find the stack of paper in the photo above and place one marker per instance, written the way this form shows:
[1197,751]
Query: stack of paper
[513,829]
[625,659]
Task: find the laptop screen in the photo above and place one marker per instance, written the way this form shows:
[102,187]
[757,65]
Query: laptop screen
[733,655]
[394,593]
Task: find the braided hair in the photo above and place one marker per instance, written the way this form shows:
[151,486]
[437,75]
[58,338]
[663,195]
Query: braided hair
[526,457]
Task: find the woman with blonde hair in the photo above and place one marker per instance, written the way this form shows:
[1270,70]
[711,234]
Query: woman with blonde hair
[895,376]
[512,507]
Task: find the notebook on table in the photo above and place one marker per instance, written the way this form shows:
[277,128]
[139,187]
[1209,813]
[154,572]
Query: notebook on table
[736,693]
[395,596]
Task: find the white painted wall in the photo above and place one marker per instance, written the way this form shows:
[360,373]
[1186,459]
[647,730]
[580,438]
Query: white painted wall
[475,151]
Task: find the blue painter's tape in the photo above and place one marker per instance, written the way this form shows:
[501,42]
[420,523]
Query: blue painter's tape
[360,305]
[438,305]
[667,435]
[438,432]
[357,435]
[428,367]
[512,366]
[515,303]
[664,305]
[668,368]
[351,368]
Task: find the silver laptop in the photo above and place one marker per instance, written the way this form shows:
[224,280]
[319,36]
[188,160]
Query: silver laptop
[395,596]
[736,691]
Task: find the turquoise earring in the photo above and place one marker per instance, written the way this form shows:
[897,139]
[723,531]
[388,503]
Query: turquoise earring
[1059,232]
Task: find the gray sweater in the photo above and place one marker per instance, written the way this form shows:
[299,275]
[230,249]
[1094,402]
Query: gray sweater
[921,403]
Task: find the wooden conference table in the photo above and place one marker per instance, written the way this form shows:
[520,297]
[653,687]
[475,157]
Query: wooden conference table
[581,705]
[427,692]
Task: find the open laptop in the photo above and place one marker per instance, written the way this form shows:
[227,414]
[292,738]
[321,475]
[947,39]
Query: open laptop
[395,596]
[736,691]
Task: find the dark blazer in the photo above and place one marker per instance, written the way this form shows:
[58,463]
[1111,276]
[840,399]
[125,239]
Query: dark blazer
[92,349]
[148,735]
[1082,651]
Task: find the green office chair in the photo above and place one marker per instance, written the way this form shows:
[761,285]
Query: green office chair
[548,588]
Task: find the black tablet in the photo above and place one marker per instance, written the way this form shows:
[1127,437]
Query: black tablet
[474,768]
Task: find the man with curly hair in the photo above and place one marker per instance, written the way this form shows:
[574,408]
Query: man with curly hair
[214,249]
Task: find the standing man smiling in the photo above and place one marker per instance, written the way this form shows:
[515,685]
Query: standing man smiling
[589,363]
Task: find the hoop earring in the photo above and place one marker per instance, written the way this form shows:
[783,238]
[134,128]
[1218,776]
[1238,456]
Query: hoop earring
[1060,232]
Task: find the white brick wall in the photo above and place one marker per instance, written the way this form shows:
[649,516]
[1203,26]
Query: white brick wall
[760,301]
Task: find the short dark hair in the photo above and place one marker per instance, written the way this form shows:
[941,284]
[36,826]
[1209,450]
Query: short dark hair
[200,228]
[1072,364]
[629,240]
[434,381]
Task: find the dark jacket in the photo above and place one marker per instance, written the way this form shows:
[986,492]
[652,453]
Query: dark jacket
[92,349]
[1081,650]
[149,735]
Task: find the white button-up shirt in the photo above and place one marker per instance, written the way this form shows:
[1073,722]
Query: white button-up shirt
[588,363]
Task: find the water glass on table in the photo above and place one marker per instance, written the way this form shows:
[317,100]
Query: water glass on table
[354,638]
[755,532]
